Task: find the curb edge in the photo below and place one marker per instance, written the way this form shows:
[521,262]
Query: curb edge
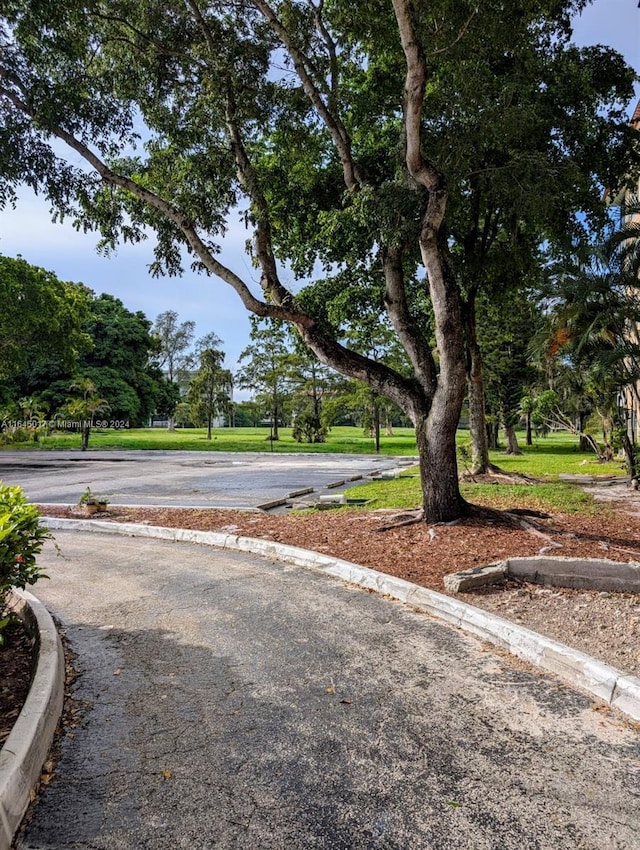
[25,750]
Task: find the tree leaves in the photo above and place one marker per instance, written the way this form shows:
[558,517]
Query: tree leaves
[41,318]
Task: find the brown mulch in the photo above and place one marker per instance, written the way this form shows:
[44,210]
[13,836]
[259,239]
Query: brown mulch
[420,553]
[16,663]
[604,625]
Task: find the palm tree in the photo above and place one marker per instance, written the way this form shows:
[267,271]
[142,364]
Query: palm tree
[82,409]
[594,324]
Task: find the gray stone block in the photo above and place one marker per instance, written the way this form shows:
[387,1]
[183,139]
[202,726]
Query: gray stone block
[476,577]
[581,573]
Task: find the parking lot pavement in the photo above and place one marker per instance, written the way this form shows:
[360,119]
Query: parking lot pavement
[212,479]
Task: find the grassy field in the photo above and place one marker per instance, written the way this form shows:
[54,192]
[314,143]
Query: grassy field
[340,439]
[546,458]
[404,493]
[545,461]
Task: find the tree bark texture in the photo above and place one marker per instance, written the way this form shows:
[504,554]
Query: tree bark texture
[439,471]
[475,392]
[528,438]
[512,441]
[436,427]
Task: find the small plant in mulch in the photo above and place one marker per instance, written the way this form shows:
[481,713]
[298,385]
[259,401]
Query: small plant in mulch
[92,503]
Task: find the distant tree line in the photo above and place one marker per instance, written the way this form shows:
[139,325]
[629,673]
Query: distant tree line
[70,359]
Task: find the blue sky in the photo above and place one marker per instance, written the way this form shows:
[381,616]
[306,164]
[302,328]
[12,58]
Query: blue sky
[28,230]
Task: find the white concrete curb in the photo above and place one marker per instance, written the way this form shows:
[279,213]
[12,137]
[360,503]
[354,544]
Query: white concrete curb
[25,750]
[578,669]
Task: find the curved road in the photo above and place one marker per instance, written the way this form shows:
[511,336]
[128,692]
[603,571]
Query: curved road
[229,702]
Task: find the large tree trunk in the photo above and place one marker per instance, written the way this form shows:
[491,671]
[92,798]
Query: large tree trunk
[275,415]
[439,471]
[436,424]
[528,440]
[388,425]
[85,431]
[629,455]
[477,422]
[492,435]
[586,441]
[512,441]
[475,391]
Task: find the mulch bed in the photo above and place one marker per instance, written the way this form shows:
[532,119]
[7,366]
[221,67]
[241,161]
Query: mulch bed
[16,665]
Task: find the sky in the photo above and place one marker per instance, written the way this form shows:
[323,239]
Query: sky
[28,229]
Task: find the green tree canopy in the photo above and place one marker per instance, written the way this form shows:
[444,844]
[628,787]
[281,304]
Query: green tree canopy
[209,391]
[592,331]
[119,363]
[42,319]
[265,366]
[117,359]
[347,136]
[82,406]
[174,340]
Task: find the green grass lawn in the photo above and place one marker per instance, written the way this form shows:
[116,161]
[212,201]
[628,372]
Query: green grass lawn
[340,439]
[549,456]
[404,493]
[545,460]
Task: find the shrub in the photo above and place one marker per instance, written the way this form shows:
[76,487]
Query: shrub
[308,427]
[21,540]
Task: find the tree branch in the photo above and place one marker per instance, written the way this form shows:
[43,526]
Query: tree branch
[381,378]
[126,24]
[445,295]
[202,24]
[352,177]
[411,336]
[248,178]
[461,34]
[168,210]
[423,172]
[328,350]
[331,49]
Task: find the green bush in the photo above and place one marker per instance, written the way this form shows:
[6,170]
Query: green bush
[21,540]
[308,427]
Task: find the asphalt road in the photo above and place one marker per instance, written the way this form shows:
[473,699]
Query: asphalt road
[213,479]
[229,702]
